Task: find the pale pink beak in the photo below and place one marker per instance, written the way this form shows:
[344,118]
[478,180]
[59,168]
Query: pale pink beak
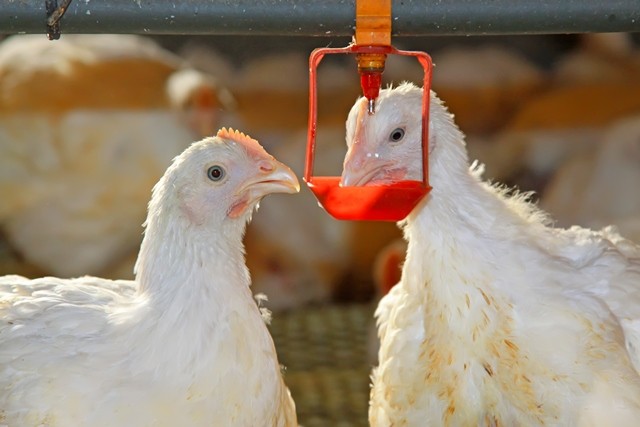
[272,177]
[360,167]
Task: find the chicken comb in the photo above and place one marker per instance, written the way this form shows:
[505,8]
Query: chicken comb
[236,136]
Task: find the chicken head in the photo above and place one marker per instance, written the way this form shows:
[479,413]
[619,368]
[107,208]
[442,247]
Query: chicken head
[236,173]
[386,147]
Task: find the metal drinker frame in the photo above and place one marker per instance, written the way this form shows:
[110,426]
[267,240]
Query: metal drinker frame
[392,202]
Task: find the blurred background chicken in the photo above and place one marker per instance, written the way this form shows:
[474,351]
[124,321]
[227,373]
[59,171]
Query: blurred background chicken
[600,57]
[585,91]
[600,187]
[87,125]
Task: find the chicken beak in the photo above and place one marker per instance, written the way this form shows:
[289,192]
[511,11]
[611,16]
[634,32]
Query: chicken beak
[360,168]
[352,177]
[273,177]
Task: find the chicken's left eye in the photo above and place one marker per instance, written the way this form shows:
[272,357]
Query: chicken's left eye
[215,173]
[396,135]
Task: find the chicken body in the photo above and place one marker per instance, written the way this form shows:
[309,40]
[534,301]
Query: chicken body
[182,344]
[498,319]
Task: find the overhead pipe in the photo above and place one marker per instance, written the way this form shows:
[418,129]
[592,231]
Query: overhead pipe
[324,18]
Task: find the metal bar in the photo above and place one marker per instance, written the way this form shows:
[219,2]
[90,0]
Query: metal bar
[325,17]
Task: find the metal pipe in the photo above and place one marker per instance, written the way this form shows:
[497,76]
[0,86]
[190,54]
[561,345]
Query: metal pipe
[325,17]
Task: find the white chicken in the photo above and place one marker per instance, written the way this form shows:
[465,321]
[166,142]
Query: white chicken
[498,320]
[182,344]
[87,125]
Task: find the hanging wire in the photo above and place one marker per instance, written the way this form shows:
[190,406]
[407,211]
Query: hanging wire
[54,15]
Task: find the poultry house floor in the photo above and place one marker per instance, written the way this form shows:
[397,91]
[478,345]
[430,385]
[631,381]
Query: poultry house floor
[324,351]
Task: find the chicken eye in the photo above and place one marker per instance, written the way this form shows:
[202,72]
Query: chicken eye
[215,173]
[396,135]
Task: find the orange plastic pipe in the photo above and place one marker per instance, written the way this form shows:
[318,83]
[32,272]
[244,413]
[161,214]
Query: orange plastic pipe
[373,22]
